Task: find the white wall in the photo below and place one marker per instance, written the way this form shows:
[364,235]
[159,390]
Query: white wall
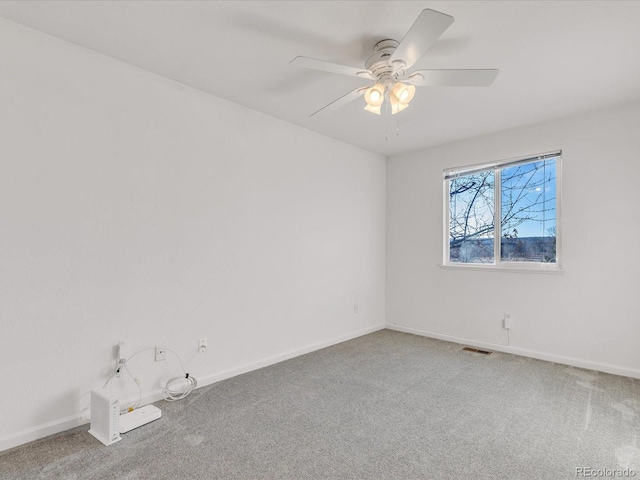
[590,315]
[135,208]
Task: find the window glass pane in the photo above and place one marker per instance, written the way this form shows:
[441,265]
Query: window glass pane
[528,212]
[471,218]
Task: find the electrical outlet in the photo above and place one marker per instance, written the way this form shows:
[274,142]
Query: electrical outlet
[507,321]
[160,354]
[202,345]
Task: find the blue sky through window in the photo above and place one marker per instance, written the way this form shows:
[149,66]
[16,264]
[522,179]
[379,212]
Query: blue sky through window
[529,193]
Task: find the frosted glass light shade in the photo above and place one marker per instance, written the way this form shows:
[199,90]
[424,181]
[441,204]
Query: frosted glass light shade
[373,109]
[396,105]
[374,96]
[404,93]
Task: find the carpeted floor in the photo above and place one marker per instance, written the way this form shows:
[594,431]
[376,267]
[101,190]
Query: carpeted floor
[384,406]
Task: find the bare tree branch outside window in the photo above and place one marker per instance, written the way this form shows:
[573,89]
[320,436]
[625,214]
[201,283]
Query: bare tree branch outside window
[527,229]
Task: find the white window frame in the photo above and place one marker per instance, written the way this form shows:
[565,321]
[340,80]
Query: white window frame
[501,265]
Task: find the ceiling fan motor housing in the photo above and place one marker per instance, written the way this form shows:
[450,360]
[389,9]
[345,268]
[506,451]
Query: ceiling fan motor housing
[379,64]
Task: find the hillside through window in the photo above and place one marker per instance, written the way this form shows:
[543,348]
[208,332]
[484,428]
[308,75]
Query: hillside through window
[504,214]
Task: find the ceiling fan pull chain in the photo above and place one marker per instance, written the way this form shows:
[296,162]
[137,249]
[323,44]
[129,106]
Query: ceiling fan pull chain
[386,119]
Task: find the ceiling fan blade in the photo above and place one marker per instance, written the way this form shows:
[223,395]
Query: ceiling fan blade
[453,78]
[313,64]
[423,33]
[349,97]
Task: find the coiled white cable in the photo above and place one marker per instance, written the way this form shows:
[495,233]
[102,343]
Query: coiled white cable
[172,393]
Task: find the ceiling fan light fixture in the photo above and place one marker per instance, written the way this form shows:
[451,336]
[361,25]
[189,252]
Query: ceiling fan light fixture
[373,109]
[374,96]
[403,93]
[396,105]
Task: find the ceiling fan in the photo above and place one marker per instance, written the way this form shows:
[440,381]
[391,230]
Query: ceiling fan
[394,85]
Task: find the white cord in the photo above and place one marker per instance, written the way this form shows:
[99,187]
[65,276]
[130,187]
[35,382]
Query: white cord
[139,352]
[171,393]
[137,404]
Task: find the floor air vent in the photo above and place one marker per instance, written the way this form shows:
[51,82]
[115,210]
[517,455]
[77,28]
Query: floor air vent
[476,350]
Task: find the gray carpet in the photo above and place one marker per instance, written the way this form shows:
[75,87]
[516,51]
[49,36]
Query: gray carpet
[384,406]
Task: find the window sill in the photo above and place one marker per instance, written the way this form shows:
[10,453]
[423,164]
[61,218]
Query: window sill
[548,270]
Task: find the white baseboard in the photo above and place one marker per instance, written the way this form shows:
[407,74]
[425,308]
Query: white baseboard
[248,367]
[44,430]
[60,425]
[523,352]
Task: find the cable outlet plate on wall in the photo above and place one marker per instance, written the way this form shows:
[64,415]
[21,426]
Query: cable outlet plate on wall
[160,354]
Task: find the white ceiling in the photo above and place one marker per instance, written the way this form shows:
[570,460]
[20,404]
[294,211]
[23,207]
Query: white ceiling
[556,58]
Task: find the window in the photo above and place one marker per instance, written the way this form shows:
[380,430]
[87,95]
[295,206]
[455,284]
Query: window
[504,214]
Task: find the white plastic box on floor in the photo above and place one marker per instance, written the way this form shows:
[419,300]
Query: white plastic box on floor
[105,417]
[138,417]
